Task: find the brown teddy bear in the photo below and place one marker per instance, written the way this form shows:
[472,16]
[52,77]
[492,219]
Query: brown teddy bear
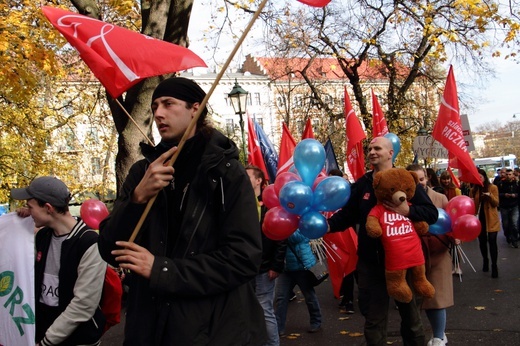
[399,235]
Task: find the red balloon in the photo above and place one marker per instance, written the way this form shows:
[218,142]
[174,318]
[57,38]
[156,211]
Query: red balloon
[459,206]
[284,178]
[92,212]
[466,228]
[279,224]
[269,197]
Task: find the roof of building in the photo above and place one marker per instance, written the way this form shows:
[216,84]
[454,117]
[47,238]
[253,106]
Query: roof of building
[319,68]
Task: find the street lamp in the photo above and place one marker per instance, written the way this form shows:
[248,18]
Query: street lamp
[238,98]
[422,132]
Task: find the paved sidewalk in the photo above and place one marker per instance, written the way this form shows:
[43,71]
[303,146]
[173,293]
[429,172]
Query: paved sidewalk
[486,311]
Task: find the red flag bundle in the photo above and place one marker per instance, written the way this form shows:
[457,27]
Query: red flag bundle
[287,145]
[315,3]
[354,137]
[448,131]
[119,57]
[379,126]
[307,132]
[254,154]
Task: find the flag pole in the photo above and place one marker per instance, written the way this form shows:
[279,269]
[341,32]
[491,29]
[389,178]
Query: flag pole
[133,121]
[198,113]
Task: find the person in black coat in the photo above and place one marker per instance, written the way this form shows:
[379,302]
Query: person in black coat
[199,249]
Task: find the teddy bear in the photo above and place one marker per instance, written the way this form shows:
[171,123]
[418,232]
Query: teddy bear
[399,235]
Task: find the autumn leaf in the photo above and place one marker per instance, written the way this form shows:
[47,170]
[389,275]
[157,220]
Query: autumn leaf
[344,318]
[479,308]
[355,334]
[343,332]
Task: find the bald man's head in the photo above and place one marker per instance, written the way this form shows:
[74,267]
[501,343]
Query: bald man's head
[380,151]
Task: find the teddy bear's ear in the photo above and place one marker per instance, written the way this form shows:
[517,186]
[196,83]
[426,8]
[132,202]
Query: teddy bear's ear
[377,179]
[415,177]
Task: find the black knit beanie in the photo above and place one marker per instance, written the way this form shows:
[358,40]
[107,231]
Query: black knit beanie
[183,89]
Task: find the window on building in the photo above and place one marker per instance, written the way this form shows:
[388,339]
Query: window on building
[280,101]
[257,99]
[249,99]
[298,101]
[70,140]
[230,126]
[260,122]
[96,165]
[328,100]
[92,134]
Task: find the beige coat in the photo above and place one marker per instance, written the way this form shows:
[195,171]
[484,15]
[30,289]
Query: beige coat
[490,207]
[438,262]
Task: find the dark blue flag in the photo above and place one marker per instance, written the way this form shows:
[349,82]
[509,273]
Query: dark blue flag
[268,152]
[330,157]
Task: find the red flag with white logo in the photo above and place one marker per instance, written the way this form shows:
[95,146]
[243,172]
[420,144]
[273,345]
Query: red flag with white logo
[354,139]
[254,153]
[119,57]
[287,145]
[448,131]
[379,126]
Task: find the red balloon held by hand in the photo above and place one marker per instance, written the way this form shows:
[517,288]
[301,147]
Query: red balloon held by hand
[92,212]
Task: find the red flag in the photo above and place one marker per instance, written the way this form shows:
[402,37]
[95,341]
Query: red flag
[307,132]
[379,127]
[448,131]
[287,145]
[254,154]
[315,3]
[119,57]
[354,139]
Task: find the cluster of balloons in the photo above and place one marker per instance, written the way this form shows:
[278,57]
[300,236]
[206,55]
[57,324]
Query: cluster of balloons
[296,200]
[458,218]
[92,212]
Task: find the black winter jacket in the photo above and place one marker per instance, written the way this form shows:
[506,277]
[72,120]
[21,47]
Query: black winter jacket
[355,212]
[201,293]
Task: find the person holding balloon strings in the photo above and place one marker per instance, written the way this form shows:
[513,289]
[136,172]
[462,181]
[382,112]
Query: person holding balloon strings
[67,261]
[436,249]
[486,202]
[373,296]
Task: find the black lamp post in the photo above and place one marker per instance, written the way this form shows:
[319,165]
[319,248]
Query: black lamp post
[238,98]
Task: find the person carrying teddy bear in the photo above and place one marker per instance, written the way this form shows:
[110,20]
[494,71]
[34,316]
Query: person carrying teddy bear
[373,296]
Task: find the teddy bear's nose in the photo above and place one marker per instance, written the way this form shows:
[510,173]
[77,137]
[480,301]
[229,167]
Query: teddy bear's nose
[402,199]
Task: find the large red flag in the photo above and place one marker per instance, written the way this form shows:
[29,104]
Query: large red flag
[315,3]
[354,139]
[254,154]
[119,57]
[379,126]
[448,131]
[308,132]
[287,145]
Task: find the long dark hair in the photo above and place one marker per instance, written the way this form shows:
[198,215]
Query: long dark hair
[486,183]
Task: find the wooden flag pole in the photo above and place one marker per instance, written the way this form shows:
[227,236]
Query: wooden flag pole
[133,121]
[193,122]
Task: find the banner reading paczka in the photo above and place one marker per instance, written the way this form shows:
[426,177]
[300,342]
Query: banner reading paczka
[17,306]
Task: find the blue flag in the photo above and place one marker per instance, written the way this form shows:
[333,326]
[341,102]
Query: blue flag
[269,154]
[330,157]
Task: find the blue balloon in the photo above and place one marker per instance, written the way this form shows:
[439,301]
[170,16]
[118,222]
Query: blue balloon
[313,225]
[331,194]
[396,144]
[309,159]
[295,197]
[443,224]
